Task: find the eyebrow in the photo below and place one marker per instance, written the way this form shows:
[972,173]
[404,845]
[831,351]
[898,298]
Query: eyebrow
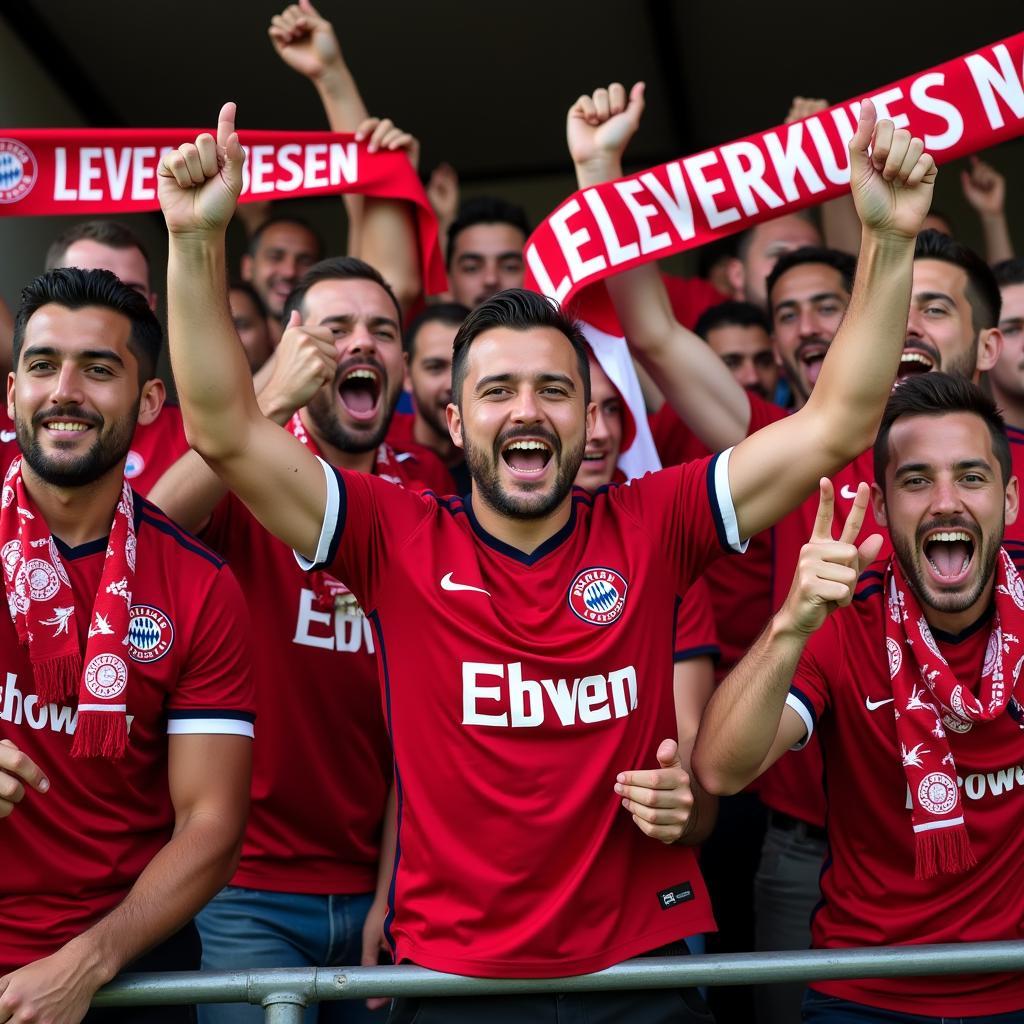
[932,296]
[819,297]
[499,256]
[345,320]
[540,378]
[93,353]
[920,467]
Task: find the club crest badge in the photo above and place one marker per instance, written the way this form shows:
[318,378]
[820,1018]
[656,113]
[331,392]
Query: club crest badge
[598,596]
[133,465]
[18,170]
[106,676]
[937,793]
[150,634]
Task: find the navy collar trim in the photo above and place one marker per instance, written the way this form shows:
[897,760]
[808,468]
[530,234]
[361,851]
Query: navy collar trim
[551,544]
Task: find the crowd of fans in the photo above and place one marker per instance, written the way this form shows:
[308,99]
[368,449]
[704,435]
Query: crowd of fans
[568,789]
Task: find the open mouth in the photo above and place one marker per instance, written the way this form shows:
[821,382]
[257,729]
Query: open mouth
[812,356]
[914,361]
[949,554]
[360,390]
[65,429]
[526,457]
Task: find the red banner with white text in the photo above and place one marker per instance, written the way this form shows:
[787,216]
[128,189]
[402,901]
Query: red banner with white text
[959,107]
[92,171]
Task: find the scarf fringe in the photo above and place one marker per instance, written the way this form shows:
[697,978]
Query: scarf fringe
[945,851]
[57,678]
[100,734]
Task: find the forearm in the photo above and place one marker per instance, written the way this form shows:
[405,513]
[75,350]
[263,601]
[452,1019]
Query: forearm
[343,103]
[388,844]
[845,407]
[387,241]
[210,368]
[741,722]
[189,492]
[174,886]
[998,246]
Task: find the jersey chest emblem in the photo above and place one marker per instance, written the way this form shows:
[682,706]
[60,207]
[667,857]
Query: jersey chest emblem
[150,633]
[598,596]
[133,465]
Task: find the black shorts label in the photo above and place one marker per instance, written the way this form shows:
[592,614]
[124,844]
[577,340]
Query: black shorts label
[681,893]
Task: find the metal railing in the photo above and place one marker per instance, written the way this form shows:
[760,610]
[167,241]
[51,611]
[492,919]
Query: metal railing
[284,993]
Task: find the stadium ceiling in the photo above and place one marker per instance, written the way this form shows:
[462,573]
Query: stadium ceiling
[486,86]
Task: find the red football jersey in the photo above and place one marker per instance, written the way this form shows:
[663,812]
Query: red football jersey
[740,587]
[516,688]
[315,819]
[400,430]
[842,689]
[696,635]
[72,853]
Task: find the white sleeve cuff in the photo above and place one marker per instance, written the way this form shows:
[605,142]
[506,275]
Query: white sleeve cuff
[330,523]
[794,702]
[726,509]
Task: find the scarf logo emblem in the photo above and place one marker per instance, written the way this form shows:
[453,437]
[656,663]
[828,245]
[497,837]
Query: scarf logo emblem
[895,656]
[106,676]
[43,581]
[956,724]
[18,170]
[937,793]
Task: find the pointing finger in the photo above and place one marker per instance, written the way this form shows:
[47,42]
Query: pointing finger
[855,519]
[826,505]
[226,124]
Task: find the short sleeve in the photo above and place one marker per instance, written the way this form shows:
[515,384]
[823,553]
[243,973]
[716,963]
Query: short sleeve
[688,512]
[365,518]
[696,635]
[810,692]
[215,693]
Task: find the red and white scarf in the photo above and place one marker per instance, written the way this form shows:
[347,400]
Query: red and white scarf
[330,593]
[42,606]
[929,700]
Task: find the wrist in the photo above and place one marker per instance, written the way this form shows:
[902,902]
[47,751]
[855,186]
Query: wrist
[97,963]
[334,81]
[785,630]
[274,407]
[598,170]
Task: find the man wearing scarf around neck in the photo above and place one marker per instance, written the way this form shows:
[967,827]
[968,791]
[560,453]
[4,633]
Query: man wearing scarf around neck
[912,683]
[126,712]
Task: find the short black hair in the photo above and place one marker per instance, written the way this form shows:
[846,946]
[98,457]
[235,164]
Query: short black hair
[1009,271]
[732,314]
[244,286]
[518,310]
[336,268]
[106,232]
[939,394]
[982,287]
[486,210]
[710,255]
[843,262]
[76,289]
[257,235]
[450,313]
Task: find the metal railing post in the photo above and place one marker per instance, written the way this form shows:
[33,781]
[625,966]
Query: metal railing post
[283,1008]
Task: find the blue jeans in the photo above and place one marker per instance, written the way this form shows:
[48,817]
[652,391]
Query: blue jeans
[822,1009]
[244,928]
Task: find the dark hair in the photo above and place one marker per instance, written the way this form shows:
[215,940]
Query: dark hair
[106,232]
[75,289]
[941,215]
[746,239]
[1009,271]
[485,210]
[939,394]
[517,309]
[244,286]
[257,235]
[336,268]
[732,314]
[982,288]
[450,313]
[710,255]
[843,262]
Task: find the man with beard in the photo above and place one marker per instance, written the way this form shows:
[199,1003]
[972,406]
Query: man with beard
[126,711]
[311,885]
[913,682]
[428,372]
[523,633]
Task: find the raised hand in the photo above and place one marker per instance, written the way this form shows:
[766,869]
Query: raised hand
[304,361]
[443,192]
[199,183]
[383,134]
[984,188]
[659,800]
[598,127]
[305,40]
[827,573]
[891,176]
[804,106]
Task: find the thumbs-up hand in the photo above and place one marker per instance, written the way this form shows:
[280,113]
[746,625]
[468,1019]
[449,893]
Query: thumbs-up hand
[659,800]
[828,570]
[303,362]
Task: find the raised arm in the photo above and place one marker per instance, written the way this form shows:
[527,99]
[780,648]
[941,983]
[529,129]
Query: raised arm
[775,469]
[272,472]
[747,726]
[691,377]
[985,189]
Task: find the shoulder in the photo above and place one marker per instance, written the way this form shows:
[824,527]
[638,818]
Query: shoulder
[157,529]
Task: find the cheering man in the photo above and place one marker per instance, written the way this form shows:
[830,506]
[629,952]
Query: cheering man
[523,634]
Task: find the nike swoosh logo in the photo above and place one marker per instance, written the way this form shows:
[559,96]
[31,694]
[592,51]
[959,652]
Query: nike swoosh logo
[847,492]
[7,435]
[874,705]
[447,584]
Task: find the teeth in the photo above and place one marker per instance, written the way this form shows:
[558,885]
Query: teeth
[71,427]
[528,446]
[360,375]
[916,357]
[950,536]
